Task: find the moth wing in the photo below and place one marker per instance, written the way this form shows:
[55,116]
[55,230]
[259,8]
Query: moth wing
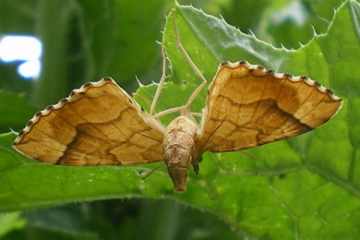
[248,106]
[98,124]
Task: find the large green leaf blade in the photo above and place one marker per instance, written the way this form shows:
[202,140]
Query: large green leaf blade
[26,183]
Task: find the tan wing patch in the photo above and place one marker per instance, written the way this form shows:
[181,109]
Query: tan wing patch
[97,124]
[248,106]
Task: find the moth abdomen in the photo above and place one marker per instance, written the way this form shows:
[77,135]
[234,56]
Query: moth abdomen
[179,148]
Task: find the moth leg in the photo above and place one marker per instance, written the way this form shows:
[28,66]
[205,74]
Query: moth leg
[170,110]
[161,82]
[196,165]
[193,66]
[176,109]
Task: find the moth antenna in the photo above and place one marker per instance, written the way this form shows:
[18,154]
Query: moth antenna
[193,66]
[161,82]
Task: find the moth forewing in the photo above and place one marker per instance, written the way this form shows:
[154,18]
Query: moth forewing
[248,105]
[97,124]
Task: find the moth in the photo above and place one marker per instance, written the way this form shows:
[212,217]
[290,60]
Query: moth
[246,106]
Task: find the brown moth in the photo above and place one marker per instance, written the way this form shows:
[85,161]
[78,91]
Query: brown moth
[247,105]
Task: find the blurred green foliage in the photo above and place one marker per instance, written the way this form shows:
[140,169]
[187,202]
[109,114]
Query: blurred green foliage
[293,190]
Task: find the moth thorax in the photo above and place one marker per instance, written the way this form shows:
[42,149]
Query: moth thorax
[179,149]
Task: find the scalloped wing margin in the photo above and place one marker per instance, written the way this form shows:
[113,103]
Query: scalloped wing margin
[99,123]
[248,106]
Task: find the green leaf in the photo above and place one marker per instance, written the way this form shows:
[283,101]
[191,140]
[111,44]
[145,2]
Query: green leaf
[43,185]
[9,222]
[306,188]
